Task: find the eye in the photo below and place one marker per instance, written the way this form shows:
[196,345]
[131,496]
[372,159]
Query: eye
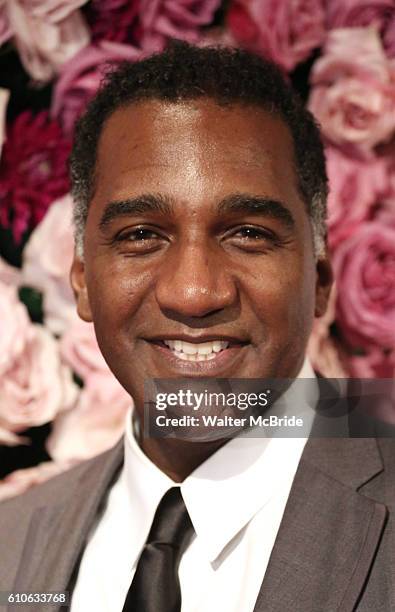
[139,239]
[138,235]
[253,233]
[253,238]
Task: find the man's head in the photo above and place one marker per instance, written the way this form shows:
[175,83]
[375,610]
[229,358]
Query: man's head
[227,76]
[200,189]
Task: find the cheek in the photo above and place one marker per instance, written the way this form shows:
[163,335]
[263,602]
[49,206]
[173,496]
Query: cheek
[116,294]
[284,300]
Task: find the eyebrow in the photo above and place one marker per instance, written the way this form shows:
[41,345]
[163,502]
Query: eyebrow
[261,205]
[236,203]
[153,203]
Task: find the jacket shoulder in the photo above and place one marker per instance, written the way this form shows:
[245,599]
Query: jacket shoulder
[16,514]
[52,492]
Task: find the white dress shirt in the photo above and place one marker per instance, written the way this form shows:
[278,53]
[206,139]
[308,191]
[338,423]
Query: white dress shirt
[236,500]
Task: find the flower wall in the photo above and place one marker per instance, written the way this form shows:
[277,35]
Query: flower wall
[59,403]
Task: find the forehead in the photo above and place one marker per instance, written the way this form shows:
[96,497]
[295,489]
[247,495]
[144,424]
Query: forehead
[174,145]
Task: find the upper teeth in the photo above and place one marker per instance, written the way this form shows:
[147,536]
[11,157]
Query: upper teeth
[204,348]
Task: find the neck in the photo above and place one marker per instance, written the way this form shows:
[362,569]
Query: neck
[178,458]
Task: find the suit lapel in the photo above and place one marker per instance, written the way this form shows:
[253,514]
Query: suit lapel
[329,533]
[57,533]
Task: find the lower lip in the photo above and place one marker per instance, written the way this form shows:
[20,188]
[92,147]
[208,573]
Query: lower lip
[213,367]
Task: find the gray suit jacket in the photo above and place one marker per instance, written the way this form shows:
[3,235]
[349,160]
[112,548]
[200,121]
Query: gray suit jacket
[335,550]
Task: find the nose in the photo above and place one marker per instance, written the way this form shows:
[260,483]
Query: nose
[194,282]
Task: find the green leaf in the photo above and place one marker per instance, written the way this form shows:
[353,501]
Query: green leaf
[33,301]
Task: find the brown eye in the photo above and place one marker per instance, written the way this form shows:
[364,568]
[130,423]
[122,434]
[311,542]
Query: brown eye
[253,239]
[253,233]
[139,235]
[256,235]
[139,240]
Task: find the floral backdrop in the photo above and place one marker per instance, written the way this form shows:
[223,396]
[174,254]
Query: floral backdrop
[59,404]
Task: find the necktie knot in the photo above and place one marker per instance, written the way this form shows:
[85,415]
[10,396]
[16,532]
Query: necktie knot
[171,524]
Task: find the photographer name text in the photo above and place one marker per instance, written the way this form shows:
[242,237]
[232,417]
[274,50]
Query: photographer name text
[228,421]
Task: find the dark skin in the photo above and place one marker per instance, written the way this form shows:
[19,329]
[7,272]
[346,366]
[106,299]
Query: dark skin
[197,231]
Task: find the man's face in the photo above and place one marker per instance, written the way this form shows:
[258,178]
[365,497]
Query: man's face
[197,239]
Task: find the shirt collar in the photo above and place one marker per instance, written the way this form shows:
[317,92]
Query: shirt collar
[146,484]
[213,492]
[228,489]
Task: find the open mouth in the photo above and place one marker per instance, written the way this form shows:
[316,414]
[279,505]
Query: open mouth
[203,351]
[210,355]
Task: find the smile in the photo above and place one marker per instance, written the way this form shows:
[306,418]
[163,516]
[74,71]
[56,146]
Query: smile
[204,355]
[203,351]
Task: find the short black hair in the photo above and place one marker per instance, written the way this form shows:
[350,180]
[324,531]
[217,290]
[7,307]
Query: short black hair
[186,72]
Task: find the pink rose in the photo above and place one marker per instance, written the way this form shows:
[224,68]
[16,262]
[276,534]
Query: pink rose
[5,28]
[358,13]
[9,275]
[364,267]
[51,10]
[15,331]
[355,188]
[46,266]
[94,425]
[353,94]
[21,480]
[33,171]
[36,385]
[284,32]
[80,79]
[376,363]
[8,438]
[15,327]
[98,419]
[362,13]
[79,349]
[46,33]
[181,19]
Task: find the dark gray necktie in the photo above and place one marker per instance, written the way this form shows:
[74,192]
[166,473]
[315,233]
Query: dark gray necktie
[155,586]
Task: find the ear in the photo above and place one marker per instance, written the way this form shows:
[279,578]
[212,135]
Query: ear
[324,283]
[78,283]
